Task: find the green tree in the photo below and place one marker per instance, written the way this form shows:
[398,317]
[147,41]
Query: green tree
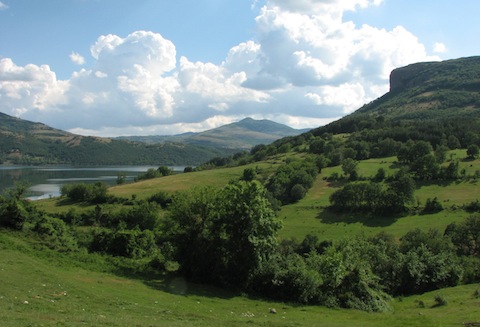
[473,151]
[248,174]
[14,209]
[164,171]
[349,167]
[222,237]
[249,230]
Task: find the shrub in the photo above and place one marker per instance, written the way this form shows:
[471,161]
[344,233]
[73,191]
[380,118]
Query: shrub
[440,301]
[432,206]
[55,234]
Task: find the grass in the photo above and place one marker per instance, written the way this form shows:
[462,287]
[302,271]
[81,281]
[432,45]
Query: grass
[38,290]
[42,288]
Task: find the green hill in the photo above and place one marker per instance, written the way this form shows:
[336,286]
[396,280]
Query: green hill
[25,142]
[239,135]
[438,97]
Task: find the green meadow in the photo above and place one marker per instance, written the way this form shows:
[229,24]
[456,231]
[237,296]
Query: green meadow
[45,288]
[41,288]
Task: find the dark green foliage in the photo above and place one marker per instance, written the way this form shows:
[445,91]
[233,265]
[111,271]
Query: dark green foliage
[349,167]
[296,172]
[472,151]
[450,172]
[144,216]
[432,206]
[164,171]
[81,192]
[55,234]
[380,175]
[249,175]
[340,277]
[14,210]
[466,236]
[372,197]
[132,243]
[222,237]
[440,301]
[473,206]
[162,198]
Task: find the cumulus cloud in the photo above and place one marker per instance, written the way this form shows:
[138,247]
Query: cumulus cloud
[76,58]
[439,47]
[306,66]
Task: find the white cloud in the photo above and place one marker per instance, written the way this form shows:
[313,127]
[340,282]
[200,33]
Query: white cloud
[439,47]
[76,58]
[306,66]
[3,6]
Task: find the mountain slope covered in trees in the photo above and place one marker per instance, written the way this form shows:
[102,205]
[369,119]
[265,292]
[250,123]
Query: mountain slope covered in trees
[25,142]
[243,134]
[431,101]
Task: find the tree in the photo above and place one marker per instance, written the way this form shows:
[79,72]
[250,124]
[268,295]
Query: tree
[14,210]
[248,174]
[453,142]
[164,171]
[349,167]
[466,236]
[249,230]
[223,236]
[473,151]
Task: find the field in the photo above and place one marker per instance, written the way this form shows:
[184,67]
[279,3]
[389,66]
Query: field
[42,288]
[46,289]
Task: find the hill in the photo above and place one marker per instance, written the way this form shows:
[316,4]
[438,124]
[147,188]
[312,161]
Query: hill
[25,142]
[239,135]
[441,97]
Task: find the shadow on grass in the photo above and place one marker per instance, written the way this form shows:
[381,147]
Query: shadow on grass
[329,216]
[179,286]
[61,202]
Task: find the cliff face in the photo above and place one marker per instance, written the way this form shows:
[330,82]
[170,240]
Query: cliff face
[441,73]
[409,76]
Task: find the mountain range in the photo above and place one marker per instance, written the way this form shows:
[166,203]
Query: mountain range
[243,134]
[25,142]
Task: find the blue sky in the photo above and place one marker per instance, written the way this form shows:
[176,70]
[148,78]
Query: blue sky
[123,67]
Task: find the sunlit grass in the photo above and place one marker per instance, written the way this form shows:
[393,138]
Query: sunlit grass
[38,290]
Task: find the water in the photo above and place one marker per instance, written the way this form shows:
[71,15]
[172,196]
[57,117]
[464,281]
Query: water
[46,182]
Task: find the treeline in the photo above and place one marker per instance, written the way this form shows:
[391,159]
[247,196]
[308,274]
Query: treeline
[227,237]
[33,150]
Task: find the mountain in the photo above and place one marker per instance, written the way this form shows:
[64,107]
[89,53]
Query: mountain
[25,142]
[429,100]
[239,135]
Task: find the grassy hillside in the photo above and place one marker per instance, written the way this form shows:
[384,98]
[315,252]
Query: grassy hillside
[40,288]
[24,142]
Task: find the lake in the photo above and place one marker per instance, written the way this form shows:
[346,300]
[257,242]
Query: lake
[46,181]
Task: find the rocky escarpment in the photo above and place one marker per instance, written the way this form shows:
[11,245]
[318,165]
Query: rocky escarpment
[450,73]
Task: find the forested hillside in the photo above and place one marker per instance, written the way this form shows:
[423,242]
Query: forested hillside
[24,142]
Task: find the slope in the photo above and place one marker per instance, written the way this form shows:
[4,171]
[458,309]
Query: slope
[243,134]
[443,97]
[25,142]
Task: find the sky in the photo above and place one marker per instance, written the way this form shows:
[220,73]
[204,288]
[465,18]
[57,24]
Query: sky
[160,67]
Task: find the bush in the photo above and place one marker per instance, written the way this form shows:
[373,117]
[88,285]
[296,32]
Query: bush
[440,301]
[432,206]
[162,198]
[134,243]
[81,192]
[55,234]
